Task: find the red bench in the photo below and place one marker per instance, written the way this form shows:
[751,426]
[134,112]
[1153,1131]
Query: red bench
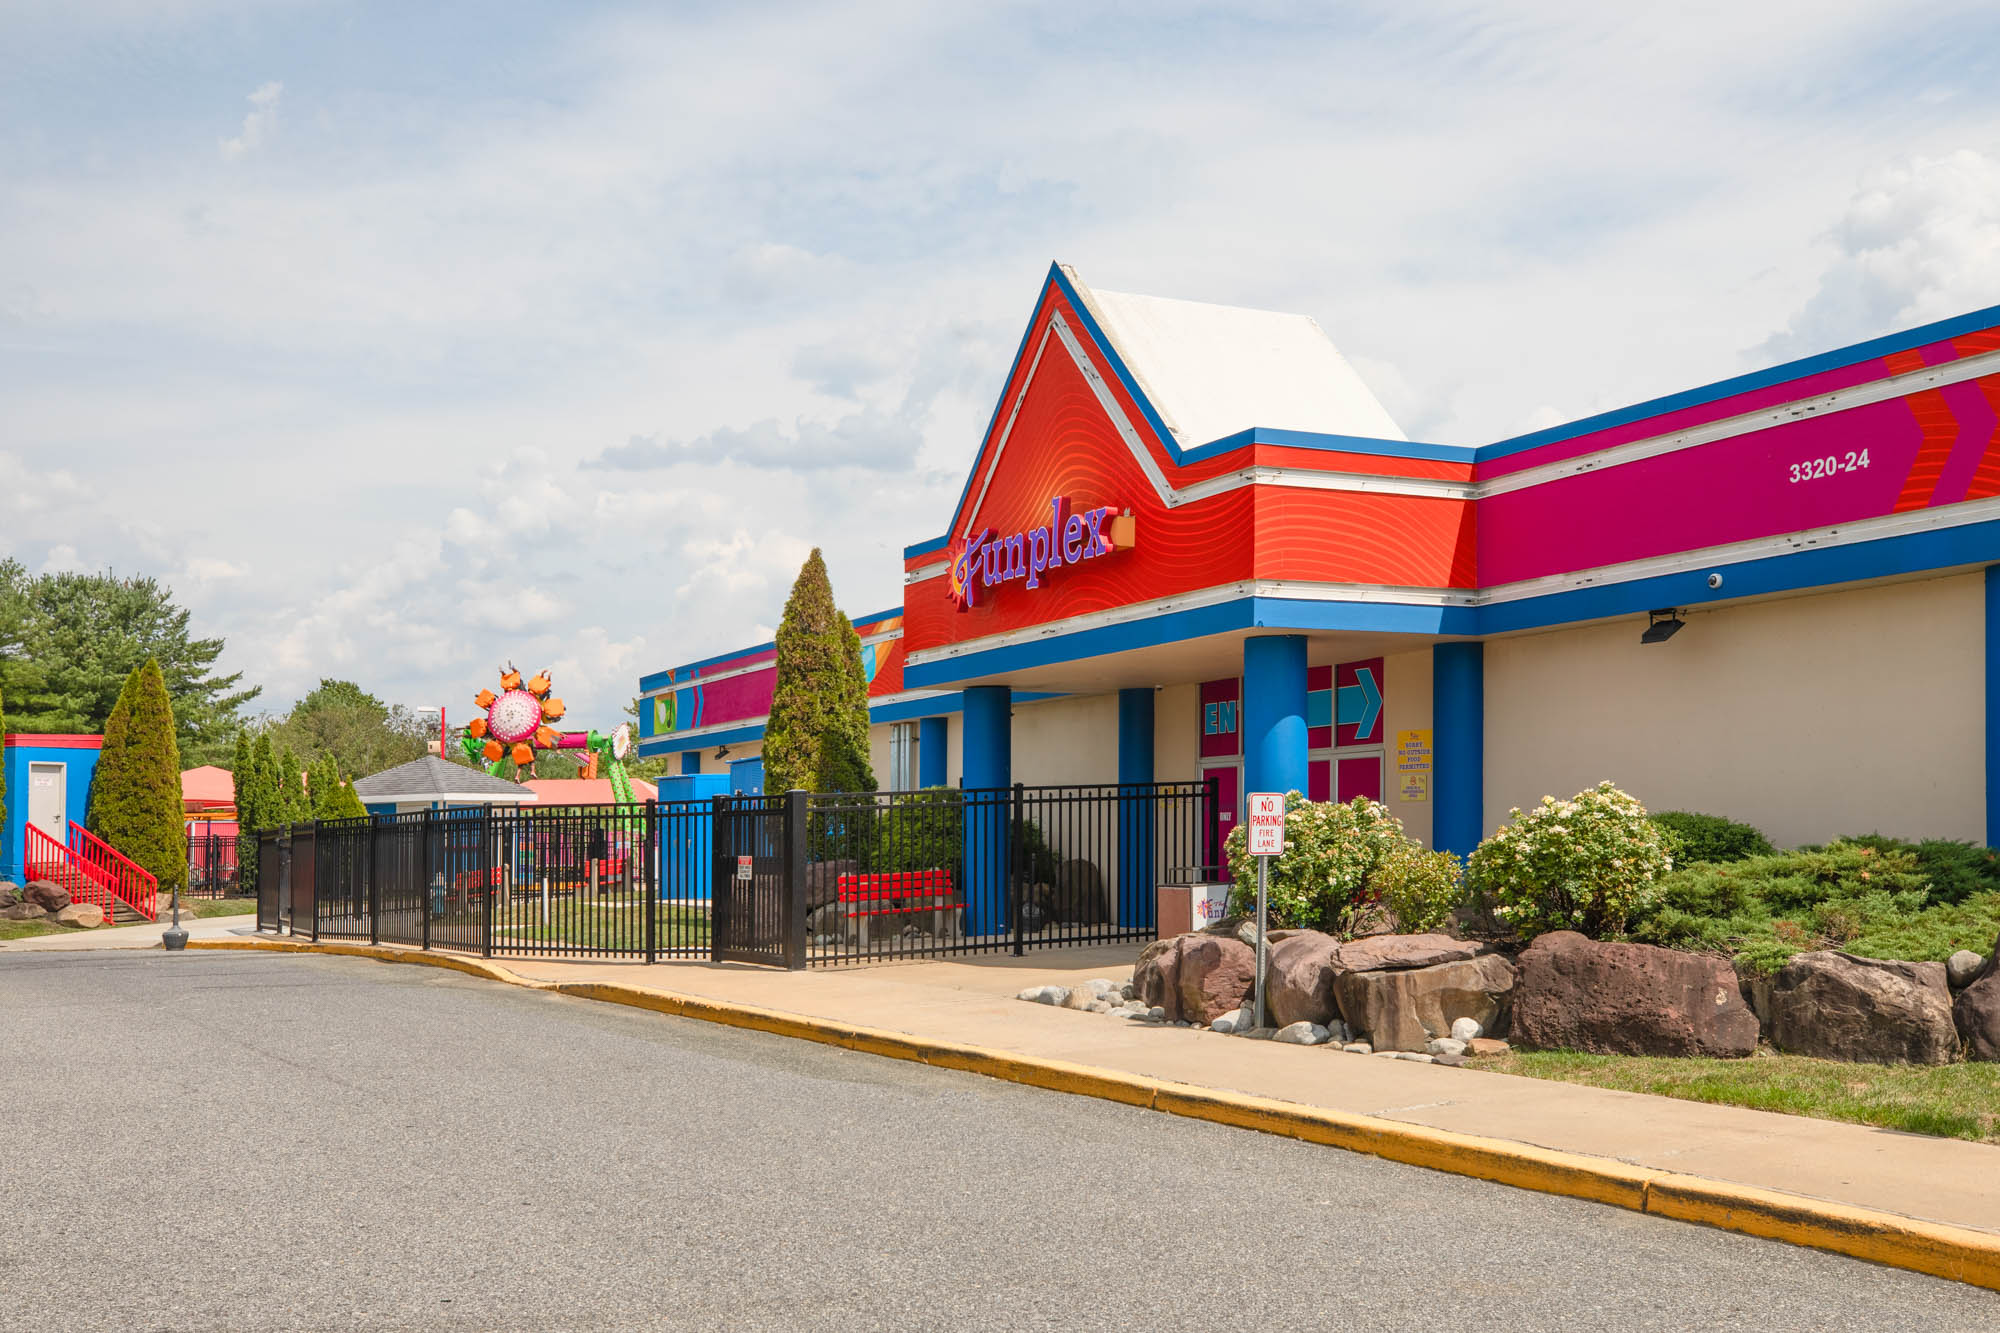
[901,893]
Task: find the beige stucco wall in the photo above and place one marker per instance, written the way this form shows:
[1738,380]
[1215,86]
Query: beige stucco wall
[1809,717]
[1177,733]
[1406,706]
[1069,740]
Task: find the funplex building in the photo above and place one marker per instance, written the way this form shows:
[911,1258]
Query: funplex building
[1192,543]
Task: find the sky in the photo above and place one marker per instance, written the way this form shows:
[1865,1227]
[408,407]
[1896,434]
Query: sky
[404,340]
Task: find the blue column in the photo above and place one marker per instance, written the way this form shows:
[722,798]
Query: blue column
[1458,745]
[988,766]
[1274,713]
[690,761]
[1992,703]
[1136,875]
[933,749]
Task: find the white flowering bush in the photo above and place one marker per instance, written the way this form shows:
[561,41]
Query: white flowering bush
[1585,864]
[1333,854]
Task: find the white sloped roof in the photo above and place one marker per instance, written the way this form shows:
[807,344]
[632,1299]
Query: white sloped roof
[1214,370]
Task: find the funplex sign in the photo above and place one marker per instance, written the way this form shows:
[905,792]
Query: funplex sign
[983,560]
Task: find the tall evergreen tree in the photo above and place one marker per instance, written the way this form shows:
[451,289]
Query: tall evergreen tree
[246,838]
[294,807]
[262,789]
[136,795]
[817,735]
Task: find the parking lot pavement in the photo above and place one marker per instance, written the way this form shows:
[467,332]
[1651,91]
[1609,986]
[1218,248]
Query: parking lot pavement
[249,1141]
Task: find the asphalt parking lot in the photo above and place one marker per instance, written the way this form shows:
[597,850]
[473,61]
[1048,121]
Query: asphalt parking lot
[247,1141]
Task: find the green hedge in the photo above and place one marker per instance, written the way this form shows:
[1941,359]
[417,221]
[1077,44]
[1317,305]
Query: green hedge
[1696,838]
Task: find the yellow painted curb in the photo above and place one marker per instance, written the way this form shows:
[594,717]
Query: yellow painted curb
[1958,1253]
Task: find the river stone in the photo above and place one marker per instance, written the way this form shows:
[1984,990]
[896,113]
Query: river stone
[1402,1010]
[1465,1029]
[1381,952]
[1302,971]
[1301,1034]
[1044,994]
[1961,968]
[84,916]
[1581,994]
[1079,997]
[1839,1007]
[1446,1046]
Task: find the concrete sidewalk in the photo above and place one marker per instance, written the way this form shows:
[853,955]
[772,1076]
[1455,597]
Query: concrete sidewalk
[143,936]
[971,1001]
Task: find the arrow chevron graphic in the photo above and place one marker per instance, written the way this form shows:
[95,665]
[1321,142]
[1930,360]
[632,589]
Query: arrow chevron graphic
[1360,704]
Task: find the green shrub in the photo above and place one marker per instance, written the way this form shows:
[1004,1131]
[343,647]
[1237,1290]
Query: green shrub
[1584,864]
[1956,870]
[1711,838]
[1846,895]
[922,831]
[1421,888]
[1331,853]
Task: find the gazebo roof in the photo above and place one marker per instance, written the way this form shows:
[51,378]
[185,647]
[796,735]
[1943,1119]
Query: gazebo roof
[433,779]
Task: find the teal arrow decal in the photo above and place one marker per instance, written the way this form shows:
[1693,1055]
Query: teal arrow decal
[1361,703]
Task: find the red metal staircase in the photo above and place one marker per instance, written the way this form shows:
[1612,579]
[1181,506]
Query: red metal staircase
[94,872]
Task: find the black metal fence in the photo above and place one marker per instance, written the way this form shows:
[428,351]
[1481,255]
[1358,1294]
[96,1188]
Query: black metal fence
[781,880]
[211,859]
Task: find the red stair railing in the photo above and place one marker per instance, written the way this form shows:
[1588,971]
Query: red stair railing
[93,871]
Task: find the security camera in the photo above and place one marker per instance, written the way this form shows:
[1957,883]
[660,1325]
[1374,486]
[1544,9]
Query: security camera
[1715,580]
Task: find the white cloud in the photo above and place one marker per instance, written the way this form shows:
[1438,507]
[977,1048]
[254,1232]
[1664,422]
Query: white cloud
[258,125]
[62,559]
[1919,241]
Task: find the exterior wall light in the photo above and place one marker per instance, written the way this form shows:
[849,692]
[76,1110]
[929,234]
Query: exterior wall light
[722,752]
[1663,625]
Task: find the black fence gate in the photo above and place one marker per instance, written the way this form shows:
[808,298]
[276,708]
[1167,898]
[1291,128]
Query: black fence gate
[785,881]
[759,865]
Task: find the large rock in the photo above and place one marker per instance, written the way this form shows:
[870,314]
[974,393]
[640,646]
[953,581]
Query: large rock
[22,912]
[1840,1007]
[1302,970]
[1213,977]
[10,893]
[1580,994]
[1077,896]
[45,895]
[1195,978]
[1404,1008]
[823,881]
[85,916]
[1976,1011]
[1156,976]
[1381,952]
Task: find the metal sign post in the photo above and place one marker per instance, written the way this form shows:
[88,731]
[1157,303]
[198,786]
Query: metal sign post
[1267,839]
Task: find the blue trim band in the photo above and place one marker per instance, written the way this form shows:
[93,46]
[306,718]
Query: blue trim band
[1343,444]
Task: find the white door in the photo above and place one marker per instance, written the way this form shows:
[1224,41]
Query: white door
[48,811]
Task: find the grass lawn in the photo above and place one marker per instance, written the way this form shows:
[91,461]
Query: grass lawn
[1954,1101]
[618,926]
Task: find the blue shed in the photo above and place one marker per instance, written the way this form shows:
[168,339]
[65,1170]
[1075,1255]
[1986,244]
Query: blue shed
[48,782]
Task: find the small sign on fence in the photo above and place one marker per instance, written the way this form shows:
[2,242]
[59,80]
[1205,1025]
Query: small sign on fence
[743,868]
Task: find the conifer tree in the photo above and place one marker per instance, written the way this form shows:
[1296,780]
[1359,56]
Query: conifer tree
[246,838]
[262,788]
[136,794]
[293,806]
[817,736]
